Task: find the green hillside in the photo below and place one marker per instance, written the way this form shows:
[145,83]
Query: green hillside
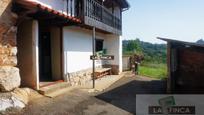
[154,63]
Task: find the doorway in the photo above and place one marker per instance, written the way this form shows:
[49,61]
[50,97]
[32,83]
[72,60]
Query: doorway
[45,71]
[50,54]
[39,54]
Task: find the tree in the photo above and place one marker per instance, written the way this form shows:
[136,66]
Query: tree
[200,41]
[151,52]
[132,46]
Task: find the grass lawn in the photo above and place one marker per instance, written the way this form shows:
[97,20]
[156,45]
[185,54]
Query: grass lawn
[158,71]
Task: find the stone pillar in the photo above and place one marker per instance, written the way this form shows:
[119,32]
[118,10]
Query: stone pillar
[9,74]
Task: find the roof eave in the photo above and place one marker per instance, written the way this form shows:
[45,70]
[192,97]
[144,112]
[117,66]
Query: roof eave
[181,42]
[124,4]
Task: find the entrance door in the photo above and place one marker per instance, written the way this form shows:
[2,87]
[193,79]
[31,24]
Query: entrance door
[45,57]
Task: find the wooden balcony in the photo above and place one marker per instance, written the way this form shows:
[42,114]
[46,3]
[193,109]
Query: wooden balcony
[94,13]
[64,12]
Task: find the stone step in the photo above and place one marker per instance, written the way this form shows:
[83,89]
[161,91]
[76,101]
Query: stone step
[60,92]
[54,88]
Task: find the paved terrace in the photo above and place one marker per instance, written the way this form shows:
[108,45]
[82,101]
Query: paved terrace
[118,99]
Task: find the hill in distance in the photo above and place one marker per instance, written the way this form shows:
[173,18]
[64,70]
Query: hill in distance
[200,41]
[151,52]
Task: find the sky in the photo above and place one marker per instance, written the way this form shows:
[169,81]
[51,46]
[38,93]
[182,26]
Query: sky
[174,19]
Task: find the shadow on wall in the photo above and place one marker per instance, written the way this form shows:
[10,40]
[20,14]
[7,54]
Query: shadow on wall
[124,96]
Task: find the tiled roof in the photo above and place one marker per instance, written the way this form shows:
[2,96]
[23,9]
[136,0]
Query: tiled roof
[32,4]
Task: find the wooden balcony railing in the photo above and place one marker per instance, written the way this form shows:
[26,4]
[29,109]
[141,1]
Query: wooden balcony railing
[95,10]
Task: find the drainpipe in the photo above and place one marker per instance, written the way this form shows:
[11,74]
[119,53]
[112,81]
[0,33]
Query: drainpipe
[94,54]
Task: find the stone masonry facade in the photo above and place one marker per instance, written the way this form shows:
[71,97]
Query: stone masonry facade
[79,78]
[9,73]
[82,77]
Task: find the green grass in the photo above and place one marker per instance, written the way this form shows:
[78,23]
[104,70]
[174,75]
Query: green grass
[158,71]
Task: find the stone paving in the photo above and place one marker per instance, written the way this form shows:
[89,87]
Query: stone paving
[118,99]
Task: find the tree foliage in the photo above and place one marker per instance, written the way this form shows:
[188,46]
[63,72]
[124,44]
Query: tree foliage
[132,47]
[152,52]
[200,41]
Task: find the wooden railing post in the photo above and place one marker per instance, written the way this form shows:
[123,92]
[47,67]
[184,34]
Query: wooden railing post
[71,6]
[102,12]
[84,7]
[67,7]
[88,8]
[94,54]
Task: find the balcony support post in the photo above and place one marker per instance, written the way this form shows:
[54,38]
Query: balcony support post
[94,54]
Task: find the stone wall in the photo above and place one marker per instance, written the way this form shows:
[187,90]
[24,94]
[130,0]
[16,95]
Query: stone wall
[82,77]
[79,78]
[9,74]
[3,5]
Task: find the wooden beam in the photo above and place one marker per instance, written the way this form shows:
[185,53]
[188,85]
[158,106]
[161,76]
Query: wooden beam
[94,53]
[62,51]
[22,16]
[169,77]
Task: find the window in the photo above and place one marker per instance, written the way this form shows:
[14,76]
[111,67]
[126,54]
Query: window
[99,45]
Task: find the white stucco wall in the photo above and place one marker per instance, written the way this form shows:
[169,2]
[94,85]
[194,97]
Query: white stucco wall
[113,44]
[78,49]
[126,63]
[28,53]
[120,52]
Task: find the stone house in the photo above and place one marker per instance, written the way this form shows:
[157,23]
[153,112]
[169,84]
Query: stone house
[51,40]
